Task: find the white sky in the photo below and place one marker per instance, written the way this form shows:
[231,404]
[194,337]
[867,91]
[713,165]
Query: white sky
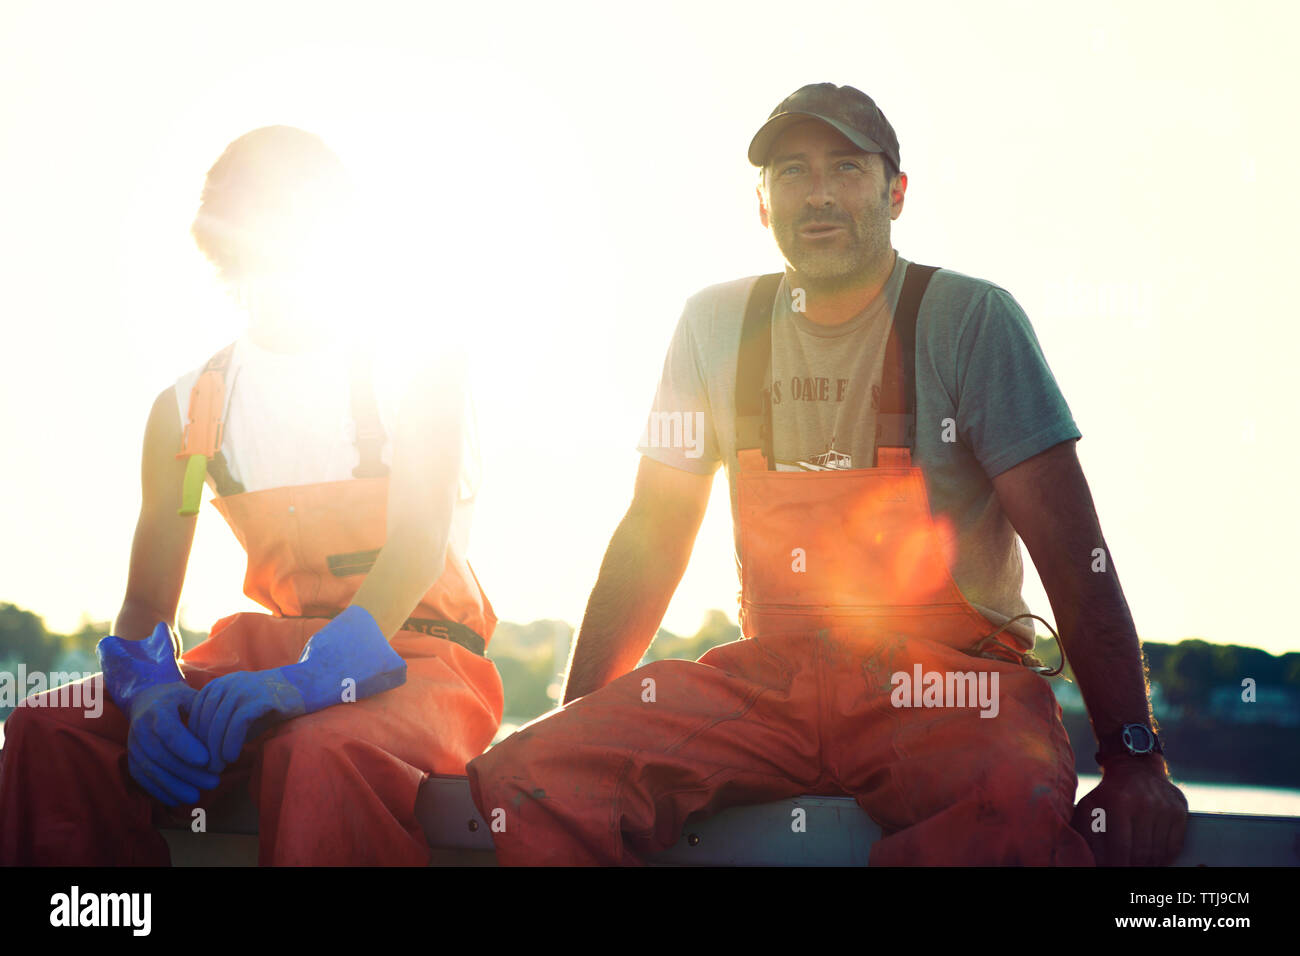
[566,175]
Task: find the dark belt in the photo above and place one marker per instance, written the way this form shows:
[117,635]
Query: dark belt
[452,631]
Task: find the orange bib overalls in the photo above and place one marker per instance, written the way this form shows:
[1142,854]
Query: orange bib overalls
[334,787]
[845,584]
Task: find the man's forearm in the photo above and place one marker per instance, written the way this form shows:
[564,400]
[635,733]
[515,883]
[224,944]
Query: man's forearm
[642,568]
[1101,642]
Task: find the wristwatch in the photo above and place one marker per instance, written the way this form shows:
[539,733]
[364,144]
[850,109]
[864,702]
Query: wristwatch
[1134,739]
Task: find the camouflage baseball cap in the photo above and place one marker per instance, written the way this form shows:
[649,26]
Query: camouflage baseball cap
[850,111]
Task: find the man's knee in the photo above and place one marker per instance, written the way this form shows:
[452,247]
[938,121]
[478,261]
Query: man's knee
[509,766]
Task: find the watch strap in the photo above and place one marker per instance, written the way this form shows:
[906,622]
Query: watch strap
[1113,744]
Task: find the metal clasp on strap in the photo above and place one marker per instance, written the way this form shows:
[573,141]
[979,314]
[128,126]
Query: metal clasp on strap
[895,430]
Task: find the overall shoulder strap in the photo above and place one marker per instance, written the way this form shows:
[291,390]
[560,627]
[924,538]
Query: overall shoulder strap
[753,403]
[896,417]
[204,432]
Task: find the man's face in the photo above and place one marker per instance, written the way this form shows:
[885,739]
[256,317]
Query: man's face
[828,203]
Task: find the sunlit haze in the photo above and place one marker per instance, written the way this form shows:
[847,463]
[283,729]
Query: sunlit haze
[558,178]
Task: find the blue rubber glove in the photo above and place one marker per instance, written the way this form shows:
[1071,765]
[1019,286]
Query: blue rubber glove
[346,660]
[142,679]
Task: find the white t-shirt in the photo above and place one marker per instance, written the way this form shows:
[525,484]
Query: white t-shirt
[289,422]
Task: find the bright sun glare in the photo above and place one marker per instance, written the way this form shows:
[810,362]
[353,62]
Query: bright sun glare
[433,264]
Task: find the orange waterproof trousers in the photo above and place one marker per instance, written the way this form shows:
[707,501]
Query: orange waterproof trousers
[334,787]
[615,775]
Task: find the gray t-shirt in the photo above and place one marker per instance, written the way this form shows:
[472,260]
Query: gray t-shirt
[985,398]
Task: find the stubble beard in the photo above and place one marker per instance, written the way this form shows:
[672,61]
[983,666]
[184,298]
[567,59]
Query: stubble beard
[832,270]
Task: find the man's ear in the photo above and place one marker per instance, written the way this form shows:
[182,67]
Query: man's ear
[897,189]
[762,207]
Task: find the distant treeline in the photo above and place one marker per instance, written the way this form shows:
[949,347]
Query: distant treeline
[24,639]
[1190,670]
[532,656]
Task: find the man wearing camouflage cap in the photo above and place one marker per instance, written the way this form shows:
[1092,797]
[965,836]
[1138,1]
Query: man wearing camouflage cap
[888,430]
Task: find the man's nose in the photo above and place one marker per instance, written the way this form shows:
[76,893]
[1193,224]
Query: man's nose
[819,191]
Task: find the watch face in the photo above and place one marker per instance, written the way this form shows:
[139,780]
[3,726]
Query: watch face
[1137,739]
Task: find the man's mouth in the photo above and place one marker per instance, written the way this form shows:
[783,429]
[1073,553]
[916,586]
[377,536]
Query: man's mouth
[820,230]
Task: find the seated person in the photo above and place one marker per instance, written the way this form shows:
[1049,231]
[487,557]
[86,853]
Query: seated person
[886,429]
[351,494]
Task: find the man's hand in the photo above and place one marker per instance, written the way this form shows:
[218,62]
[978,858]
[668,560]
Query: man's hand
[1142,818]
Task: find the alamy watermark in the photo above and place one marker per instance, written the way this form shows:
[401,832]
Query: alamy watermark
[75,908]
[69,689]
[947,689]
[675,430]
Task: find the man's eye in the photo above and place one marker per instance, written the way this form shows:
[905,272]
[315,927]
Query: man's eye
[788,170]
[849,164]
